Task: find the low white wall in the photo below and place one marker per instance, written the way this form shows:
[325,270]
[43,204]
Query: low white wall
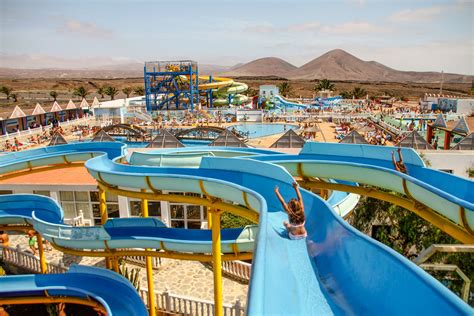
[458,161]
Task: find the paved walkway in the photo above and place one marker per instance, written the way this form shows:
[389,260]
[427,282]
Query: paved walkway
[187,278]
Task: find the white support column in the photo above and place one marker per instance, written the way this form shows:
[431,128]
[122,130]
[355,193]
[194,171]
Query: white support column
[55,195]
[124,206]
[165,213]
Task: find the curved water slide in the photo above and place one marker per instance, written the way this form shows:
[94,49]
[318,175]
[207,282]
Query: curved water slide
[443,199]
[221,89]
[80,285]
[337,270]
[288,104]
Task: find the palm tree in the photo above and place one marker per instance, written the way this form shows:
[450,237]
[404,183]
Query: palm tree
[358,92]
[345,94]
[324,85]
[127,91]
[139,90]
[80,92]
[111,91]
[14,96]
[285,88]
[7,91]
[101,91]
[53,94]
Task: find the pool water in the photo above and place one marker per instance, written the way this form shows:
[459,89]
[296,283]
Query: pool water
[255,130]
[194,143]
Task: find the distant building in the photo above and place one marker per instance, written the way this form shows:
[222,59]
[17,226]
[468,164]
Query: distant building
[118,110]
[268,91]
[448,103]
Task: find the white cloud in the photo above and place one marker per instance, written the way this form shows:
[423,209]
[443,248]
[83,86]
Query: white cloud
[353,28]
[417,15]
[83,28]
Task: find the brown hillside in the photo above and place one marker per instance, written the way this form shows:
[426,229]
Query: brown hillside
[340,65]
[269,66]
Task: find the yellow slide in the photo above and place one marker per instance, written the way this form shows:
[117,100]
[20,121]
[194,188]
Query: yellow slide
[219,82]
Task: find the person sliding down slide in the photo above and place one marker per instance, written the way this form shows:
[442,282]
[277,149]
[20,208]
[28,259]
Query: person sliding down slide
[399,165]
[296,216]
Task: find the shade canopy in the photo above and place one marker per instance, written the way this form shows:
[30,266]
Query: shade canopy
[440,121]
[354,138]
[102,136]
[57,139]
[414,140]
[289,140]
[462,127]
[467,143]
[164,139]
[228,139]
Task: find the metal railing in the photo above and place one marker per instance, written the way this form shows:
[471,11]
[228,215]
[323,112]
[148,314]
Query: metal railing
[28,261]
[237,269]
[183,305]
[166,301]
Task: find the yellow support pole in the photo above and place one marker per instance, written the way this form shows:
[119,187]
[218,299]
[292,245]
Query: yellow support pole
[39,240]
[115,264]
[217,261]
[149,270]
[103,218]
[209,217]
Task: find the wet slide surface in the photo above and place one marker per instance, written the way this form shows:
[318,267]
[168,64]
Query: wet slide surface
[336,270]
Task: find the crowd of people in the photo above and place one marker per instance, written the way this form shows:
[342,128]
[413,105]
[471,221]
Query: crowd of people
[79,131]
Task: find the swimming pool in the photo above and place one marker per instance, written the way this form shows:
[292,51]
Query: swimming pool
[255,130]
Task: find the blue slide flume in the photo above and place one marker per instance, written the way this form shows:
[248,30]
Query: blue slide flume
[336,270]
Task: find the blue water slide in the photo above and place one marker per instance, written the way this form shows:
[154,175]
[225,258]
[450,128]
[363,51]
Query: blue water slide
[336,270]
[287,104]
[297,277]
[112,291]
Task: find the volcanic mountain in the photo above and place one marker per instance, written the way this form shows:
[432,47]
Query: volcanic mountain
[340,65]
[263,67]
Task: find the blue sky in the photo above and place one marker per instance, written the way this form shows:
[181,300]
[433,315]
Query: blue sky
[406,35]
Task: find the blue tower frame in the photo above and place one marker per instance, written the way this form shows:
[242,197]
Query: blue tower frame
[171,84]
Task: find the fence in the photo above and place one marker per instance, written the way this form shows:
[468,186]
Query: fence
[236,269]
[166,301]
[139,260]
[183,305]
[28,261]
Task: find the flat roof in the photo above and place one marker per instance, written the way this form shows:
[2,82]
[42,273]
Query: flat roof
[63,176]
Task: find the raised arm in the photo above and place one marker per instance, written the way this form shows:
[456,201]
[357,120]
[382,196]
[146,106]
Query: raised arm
[394,161]
[298,194]
[400,154]
[282,201]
